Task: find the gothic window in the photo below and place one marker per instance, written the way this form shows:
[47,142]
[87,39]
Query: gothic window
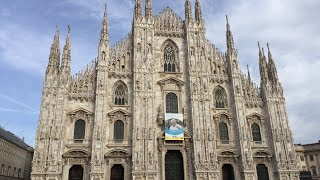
[223,130]
[220,98]
[262,172]
[120,94]
[118,133]
[169,59]
[171,103]
[9,171]
[79,130]
[256,134]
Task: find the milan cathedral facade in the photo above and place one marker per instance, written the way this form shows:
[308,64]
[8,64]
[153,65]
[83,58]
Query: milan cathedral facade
[162,104]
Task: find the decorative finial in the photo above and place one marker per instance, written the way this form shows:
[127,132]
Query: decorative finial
[69,29]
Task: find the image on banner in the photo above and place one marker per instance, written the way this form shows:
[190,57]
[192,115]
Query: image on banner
[174,129]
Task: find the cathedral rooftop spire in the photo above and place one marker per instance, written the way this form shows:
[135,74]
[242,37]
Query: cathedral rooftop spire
[188,11]
[148,8]
[137,9]
[249,76]
[54,58]
[66,57]
[198,12]
[230,42]
[104,36]
[271,66]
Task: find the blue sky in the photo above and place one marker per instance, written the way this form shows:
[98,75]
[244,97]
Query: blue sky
[27,29]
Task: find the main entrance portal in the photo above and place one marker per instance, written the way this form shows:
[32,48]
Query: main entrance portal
[76,172]
[117,172]
[174,166]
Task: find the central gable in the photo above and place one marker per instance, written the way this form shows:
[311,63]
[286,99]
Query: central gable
[168,23]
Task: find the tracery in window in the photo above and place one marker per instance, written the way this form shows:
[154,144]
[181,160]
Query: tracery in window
[120,94]
[79,130]
[171,103]
[118,133]
[220,98]
[169,59]
[256,134]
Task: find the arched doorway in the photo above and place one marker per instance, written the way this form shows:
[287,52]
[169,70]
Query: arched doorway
[76,172]
[262,172]
[174,166]
[117,172]
[227,172]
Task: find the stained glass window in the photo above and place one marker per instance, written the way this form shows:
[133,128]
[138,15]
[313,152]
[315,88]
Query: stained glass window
[169,59]
[220,97]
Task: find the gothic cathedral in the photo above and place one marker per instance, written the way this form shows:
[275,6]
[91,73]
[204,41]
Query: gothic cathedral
[162,104]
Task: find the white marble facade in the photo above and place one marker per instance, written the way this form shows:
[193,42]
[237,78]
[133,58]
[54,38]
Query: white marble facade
[111,113]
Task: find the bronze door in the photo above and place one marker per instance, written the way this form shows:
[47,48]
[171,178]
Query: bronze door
[227,172]
[174,166]
[76,172]
[117,172]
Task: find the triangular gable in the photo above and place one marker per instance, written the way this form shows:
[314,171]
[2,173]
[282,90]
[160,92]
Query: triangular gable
[84,111]
[119,111]
[171,80]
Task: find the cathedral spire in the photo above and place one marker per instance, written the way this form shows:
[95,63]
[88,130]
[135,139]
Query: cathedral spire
[262,64]
[230,42]
[198,12]
[137,9]
[148,9]
[66,57]
[104,36]
[188,11]
[54,58]
[271,67]
[249,76]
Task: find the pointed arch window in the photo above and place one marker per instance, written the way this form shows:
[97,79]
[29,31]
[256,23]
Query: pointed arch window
[256,133]
[120,94]
[223,131]
[118,133]
[79,130]
[262,172]
[171,103]
[169,59]
[220,98]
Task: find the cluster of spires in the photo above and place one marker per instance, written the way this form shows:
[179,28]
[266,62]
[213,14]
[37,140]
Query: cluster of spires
[148,10]
[268,70]
[54,66]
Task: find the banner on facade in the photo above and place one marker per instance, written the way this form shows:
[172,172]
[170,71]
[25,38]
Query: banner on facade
[174,129]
